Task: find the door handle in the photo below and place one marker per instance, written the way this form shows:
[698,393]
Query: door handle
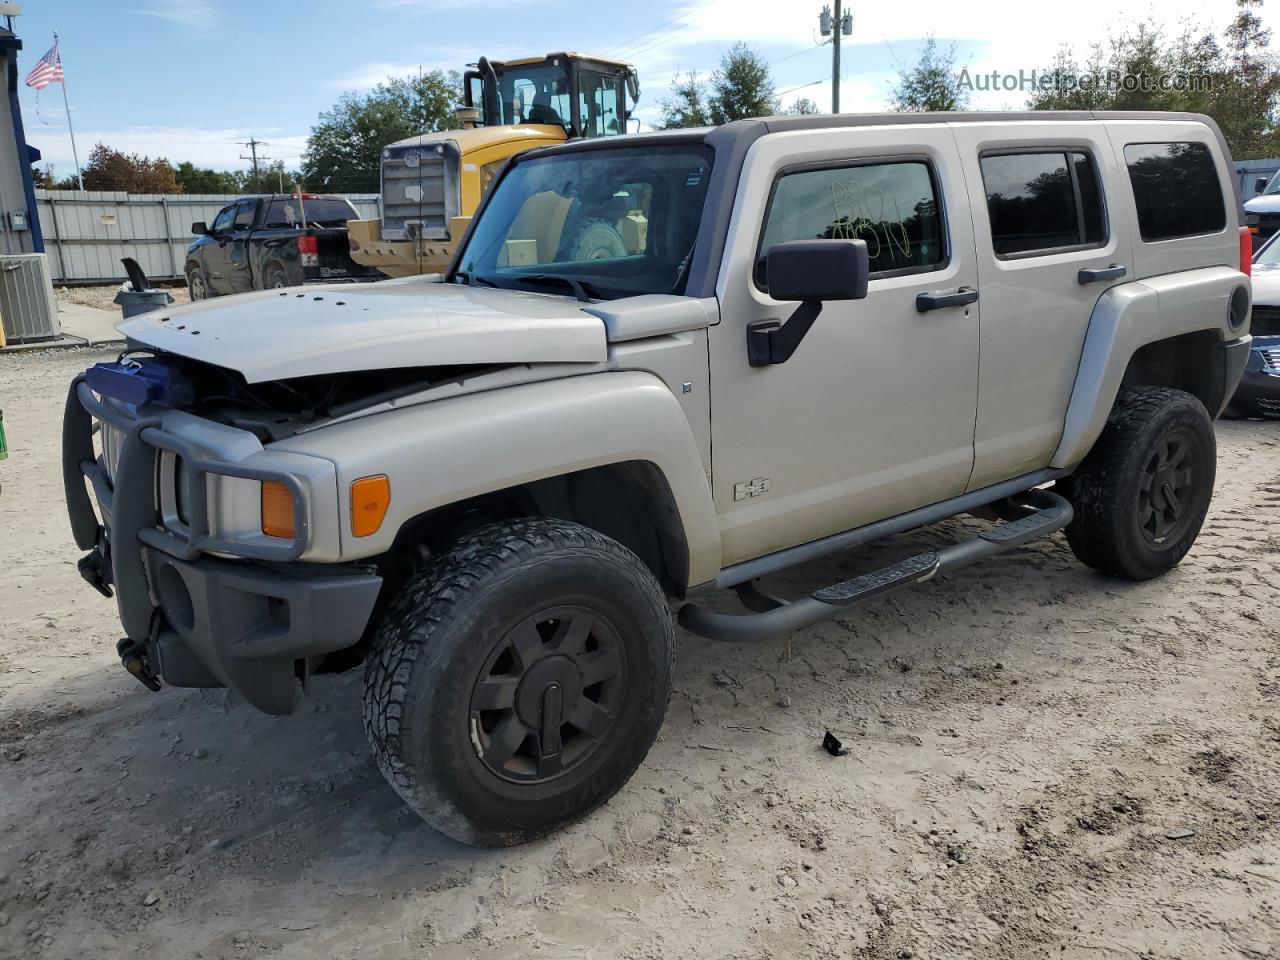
[1094,274]
[936,301]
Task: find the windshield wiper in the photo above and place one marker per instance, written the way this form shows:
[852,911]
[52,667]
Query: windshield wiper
[581,289]
[474,279]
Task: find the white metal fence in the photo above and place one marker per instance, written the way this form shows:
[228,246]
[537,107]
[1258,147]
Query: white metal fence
[86,232]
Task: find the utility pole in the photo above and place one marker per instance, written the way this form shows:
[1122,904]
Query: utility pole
[835,63]
[253,146]
[834,27]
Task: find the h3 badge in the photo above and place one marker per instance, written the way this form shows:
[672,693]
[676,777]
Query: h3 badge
[751,488]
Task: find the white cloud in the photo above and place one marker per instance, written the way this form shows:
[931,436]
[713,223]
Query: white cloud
[1003,35]
[186,13]
[369,75]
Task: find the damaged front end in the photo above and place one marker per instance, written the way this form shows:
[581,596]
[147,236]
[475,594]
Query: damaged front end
[177,460]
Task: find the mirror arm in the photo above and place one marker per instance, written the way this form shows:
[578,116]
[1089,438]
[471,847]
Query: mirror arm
[772,341]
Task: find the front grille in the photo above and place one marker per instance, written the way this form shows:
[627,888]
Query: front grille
[1272,405]
[1271,358]
[419,190]
[1265,321]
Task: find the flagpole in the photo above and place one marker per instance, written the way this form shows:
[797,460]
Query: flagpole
[75,155]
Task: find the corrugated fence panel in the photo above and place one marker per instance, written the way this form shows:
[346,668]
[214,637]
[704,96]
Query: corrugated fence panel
[87,232]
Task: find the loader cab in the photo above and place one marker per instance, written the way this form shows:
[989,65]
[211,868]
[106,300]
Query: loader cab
[585,96]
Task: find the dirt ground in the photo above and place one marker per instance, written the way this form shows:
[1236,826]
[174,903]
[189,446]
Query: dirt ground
[103,297]
[1043,763]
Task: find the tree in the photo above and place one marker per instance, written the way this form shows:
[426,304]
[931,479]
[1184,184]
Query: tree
[741,86]
[109,169]
[803,107]
[193,179]
[1245,103]
[344,149]
[43,178]
[931,83]
[1235,78]
[687,105]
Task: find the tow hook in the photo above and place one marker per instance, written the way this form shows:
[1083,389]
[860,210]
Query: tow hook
[91,568]
[134,657]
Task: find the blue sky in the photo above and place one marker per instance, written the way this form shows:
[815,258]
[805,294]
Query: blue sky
[191,79]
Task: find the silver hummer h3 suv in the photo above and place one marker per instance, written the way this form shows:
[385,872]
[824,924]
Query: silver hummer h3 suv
[492,487]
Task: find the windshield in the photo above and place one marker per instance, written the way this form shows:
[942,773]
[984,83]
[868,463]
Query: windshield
[1272,187]
[618,222]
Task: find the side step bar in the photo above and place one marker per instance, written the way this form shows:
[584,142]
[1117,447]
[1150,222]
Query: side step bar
[1049,514]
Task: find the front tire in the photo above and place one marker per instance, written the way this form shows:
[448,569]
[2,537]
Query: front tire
[1141,495]
[519,680]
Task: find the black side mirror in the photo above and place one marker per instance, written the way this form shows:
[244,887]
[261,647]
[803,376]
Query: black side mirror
[200,228]
[813,272]
[1260,184]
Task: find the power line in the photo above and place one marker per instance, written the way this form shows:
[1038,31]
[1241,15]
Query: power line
[803,85]
[679,16]
[816,46]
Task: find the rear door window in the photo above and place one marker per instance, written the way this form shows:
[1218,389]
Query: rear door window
[1176,189]
[1042,202]
[244,214]
[893,207]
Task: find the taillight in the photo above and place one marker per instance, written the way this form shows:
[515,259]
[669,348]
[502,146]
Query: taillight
[308,245]
[1246,252]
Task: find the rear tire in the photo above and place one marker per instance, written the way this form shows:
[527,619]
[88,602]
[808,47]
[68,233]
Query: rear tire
[277,279]
[598,240]
[1141,495]
[517,682]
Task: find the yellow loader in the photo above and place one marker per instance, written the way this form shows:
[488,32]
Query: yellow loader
[433,183]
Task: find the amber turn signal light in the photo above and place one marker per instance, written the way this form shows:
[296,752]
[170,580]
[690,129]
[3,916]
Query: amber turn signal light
[370,497]
[277,510]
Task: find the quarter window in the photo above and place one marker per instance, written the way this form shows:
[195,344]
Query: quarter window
[893,207]
[1176,190]
[1042,202]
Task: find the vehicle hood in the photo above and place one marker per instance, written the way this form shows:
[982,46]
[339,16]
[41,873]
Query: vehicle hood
[1263,203]
[334,328]
[1266,285]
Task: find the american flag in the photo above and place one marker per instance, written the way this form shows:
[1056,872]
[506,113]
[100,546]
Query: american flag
[48,70]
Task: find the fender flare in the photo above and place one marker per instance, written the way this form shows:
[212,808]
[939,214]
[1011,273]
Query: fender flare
[455,449]
[1128,317]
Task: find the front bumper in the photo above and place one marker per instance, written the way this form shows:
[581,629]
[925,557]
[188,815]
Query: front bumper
[252,624]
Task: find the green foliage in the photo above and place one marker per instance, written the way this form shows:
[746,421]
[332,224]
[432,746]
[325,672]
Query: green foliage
[742,86]
[803,107]
[1234,78]
[43,178]
[110,169]
[345,147]
[687,105]
[931,83]
[193,179]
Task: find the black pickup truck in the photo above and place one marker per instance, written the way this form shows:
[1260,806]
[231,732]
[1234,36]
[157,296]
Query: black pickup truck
[273,241]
